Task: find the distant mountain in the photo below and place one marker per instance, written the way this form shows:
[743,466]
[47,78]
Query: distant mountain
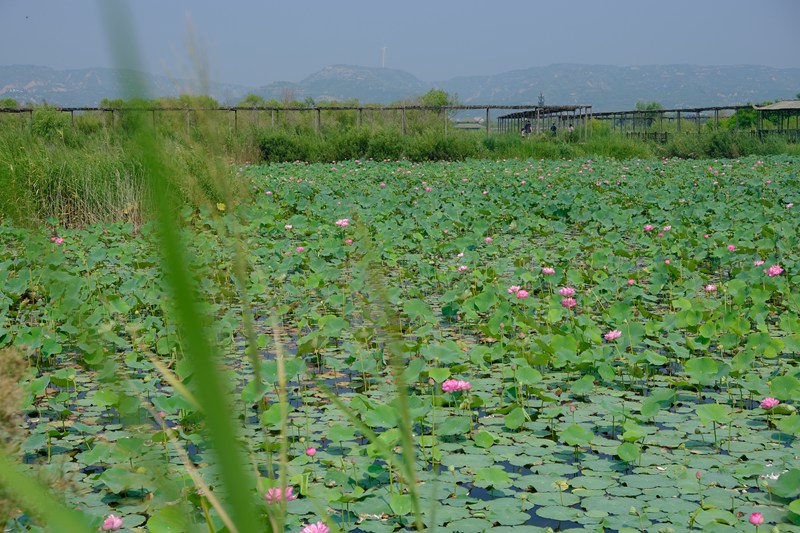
[87,87]
[611,88]
[345,82]
[605,87]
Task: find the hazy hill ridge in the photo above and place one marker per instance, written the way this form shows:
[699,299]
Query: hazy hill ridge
[605,87]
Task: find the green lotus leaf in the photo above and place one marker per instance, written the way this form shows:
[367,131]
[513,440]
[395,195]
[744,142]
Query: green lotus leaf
[787,485]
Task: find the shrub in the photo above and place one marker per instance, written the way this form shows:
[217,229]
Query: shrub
[48,122]
[276,147]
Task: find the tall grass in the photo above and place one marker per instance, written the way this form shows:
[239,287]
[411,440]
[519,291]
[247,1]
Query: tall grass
[87,173]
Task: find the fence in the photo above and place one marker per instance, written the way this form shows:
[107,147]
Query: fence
[111,115]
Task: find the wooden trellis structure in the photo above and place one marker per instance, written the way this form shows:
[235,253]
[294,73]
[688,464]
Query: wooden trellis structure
[780,114]
[639,123]
[577,118]
[111,114]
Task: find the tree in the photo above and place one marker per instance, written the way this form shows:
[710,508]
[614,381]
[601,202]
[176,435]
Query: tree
[8,103]
[649,106]
[252,100]
[439,98]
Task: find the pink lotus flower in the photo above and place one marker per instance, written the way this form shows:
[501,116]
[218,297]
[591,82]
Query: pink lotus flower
[569,302]
[269,193]
[566,291]
[348,242]
[710,288]
[311,451]
[631,282]
[774,270]
[514,289]
[383,184]
[57,240]
[453,385]
[648,227]
[548,271]
[319,527]
[463,268]
[756,519]
[521,294]
[613,334]
[343,222]
[758,262]
[666,261]
[287,226]
[300,249]
[731,247]
[274,495]
[111,523]
[667,228]
[769,402]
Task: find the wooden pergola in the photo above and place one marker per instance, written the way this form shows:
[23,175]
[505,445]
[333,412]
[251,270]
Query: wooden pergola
[543,117]
[780,113]
[640,120]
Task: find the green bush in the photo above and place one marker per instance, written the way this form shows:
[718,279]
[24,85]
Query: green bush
[48,122]
[276,147]
[385,144]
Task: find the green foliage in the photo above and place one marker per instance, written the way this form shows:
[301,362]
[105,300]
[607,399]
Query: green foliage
[8,103]
[648,106]
[252,100]
[438,98]
[279,146]
[721,144]
[49,123]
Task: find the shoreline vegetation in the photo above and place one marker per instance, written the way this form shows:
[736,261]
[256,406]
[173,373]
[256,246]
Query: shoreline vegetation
[80,171]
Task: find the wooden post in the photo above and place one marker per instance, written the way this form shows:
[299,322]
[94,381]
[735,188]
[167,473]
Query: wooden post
[153,111]
[187,122]
[487,122]
[272,114]
[359,117]
[235,120]
[403,119]
[445,124]
[72,117]
[679,121]
[318,120]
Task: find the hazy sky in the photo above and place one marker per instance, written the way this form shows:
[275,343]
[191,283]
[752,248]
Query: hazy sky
[254,42]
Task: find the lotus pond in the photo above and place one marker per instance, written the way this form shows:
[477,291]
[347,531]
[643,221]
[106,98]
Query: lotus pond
[577,345]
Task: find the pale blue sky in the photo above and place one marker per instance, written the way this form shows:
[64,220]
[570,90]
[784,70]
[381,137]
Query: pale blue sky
[254,42]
